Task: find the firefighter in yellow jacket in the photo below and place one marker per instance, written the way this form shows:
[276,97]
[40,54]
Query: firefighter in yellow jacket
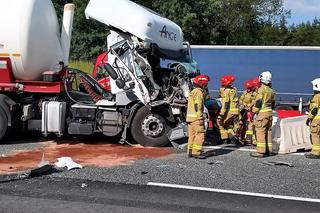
[264,104]
[246,103]
[314,121]
[195,119]
[229,112]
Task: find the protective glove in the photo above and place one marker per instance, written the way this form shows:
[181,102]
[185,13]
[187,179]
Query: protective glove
[219,119]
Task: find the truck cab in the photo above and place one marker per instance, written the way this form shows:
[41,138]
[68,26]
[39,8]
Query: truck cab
[147,62]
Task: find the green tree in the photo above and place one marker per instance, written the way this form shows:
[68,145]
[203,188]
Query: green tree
[306,34]
[88,37]
[222,22]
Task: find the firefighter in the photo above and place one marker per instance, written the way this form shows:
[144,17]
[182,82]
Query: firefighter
[314,121]
[246,103]
[229,112]
[264,104]
[256,83]
[195,119]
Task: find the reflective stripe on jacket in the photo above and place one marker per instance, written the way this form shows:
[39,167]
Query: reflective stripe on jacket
[247,100]
[266,95]
[195,105]
[315,105]
[229,95]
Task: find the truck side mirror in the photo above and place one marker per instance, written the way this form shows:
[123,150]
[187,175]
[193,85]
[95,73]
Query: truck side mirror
[120,83]
[112,73]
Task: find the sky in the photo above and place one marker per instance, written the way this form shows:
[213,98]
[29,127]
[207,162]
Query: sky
[302,10]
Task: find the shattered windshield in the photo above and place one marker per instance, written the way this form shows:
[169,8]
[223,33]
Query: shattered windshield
[186,60]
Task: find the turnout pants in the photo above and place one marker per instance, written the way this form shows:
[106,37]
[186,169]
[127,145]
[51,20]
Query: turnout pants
[263,126]
[315,136]
[196,133]
[226,125]
[249,132]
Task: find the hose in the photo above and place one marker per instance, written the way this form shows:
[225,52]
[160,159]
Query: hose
[95,97]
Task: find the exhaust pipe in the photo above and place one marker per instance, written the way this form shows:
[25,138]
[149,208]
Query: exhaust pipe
[66,31]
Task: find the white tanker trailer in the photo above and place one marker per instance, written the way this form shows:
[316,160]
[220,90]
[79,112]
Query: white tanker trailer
[31,38]
[39,92]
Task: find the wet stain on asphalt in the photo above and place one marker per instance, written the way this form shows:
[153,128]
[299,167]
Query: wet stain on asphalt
[99,155]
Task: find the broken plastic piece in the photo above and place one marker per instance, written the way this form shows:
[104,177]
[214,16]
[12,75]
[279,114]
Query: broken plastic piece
[43,161]
[144,173]
[67,162]
[179,146]
[278,163]
[41,170]
[215,162]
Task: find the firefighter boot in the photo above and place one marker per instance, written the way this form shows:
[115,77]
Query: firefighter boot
[258,155]
[312,156]
[201,157]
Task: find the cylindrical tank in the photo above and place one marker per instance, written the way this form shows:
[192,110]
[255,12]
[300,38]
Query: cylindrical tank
[30,36]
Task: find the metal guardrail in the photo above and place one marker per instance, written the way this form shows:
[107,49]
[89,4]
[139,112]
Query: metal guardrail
[298,102]
[221,47]
[277,93]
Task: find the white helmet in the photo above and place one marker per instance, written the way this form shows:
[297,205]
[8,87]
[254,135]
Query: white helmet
[266,77]
[316,84]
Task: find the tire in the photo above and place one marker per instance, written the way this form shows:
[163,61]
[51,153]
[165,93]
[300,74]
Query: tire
[145,120]
[3,124]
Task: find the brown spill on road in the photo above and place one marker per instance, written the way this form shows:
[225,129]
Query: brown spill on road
[99,155]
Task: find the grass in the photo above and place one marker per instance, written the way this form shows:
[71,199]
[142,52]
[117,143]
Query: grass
[85,66]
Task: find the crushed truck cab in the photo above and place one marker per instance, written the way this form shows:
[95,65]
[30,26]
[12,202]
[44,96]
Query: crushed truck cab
[136,50]
[140,22]
[148,66]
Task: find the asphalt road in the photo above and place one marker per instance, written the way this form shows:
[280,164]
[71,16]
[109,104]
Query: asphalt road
[127,188]
[71,195]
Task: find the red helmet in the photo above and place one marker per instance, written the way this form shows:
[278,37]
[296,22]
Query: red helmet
[256,81]
[201,80]
[249,84]
[227,80]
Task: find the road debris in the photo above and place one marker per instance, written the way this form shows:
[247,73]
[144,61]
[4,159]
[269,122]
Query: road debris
[181,166]
[67,162]
[215,162]
[84,185]
[98,155]
[144,173]
[278,163]
[44,168]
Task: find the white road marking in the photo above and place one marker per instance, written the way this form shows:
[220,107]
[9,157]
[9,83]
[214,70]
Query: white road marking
[229,148]
[206,148]
[234,192]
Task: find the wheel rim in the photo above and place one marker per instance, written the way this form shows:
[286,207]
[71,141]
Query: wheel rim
[153,126]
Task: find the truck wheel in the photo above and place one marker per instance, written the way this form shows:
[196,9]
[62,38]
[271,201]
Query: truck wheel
[3,123]
[150,128]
